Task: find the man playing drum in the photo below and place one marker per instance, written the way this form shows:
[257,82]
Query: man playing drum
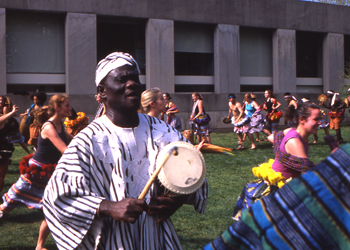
[336,114]
[91,200]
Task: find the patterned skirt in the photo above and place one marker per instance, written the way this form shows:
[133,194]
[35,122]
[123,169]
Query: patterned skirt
[27,191]
[202,129]
[257,123]
[175,122]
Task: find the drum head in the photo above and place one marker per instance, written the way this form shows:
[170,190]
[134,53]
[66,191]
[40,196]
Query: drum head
[226,120]
[184,172]
[322,98]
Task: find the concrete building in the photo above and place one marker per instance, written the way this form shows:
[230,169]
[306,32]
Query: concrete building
[213,47]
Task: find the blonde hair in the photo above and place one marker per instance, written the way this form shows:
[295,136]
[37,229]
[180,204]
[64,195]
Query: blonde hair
[57,99]
[248,96]
[148,96]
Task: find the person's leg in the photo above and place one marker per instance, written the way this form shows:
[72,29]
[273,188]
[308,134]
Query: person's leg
[240,141]
[339,138]
[4,164]
[326,131]
[257,136]
[251,138]
[208,138]
[315,137]
[24,146]
[244,136]
[44,231]
[4,211]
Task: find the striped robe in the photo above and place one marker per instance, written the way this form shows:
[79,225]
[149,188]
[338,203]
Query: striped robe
[309,212]
[108,162]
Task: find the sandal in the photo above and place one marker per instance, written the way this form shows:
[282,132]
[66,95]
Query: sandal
[240,146]
[315,139]
[258,140]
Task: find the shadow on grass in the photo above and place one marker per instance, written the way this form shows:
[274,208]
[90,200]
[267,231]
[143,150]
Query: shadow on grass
[48,246]
[23,218]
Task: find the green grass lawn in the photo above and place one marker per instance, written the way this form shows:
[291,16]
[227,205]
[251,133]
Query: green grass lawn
[226,176]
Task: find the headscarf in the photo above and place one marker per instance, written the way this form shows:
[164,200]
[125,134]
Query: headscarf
[111,62]
[334,96]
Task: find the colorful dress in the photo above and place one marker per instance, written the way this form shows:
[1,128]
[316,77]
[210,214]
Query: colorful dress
[173,120]
[309,212]
[35,172]
[202,126]
[257,122]
[273,174]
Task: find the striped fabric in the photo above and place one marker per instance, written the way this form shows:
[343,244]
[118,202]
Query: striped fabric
[310,212]
[102,162]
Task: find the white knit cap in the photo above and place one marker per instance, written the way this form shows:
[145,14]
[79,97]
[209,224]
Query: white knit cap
[111,62]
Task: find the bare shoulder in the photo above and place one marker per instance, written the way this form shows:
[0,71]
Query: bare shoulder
[295,147]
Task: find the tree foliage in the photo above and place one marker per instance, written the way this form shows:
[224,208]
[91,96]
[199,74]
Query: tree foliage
[337,2]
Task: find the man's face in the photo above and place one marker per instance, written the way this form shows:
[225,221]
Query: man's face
[232,100]
[122,89]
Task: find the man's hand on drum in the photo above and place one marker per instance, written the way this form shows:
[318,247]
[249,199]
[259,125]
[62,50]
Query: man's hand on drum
[127,210]
[165,206]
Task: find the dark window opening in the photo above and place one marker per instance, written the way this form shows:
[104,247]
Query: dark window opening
[255,88]
[122,35]
[194,64]
[309,52]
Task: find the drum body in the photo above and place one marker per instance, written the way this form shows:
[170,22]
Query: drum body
[184,171]
[189,135]
[24,128]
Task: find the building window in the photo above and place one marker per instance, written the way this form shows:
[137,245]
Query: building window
[194,57]
[35,51]
[255,59]
[309,60]
[347,51]
[124,35]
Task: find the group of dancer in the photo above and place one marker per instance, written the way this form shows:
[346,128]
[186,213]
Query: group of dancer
[270,216]
[43,126]
[247,118]
[295,204]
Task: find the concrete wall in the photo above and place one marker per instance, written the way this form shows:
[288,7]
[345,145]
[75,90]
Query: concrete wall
[226,59]
[284,61]
[333,61]
[160,55]
[284,14]
[81,53]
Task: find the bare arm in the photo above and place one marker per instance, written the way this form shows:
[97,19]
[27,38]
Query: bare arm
[172,105]
[49,131]
[278,104]
[8,115]
[229,111]
[200,110]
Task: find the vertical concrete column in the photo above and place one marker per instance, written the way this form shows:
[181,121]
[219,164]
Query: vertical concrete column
[333,61]
[81,53]
[226,59]
[3,89]
[160,55]
[284,61]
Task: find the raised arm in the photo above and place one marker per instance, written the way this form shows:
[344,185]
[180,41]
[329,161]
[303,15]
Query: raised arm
[8,115]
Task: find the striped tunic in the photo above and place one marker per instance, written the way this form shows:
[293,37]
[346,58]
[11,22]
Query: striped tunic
[310,212]
[108,162]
